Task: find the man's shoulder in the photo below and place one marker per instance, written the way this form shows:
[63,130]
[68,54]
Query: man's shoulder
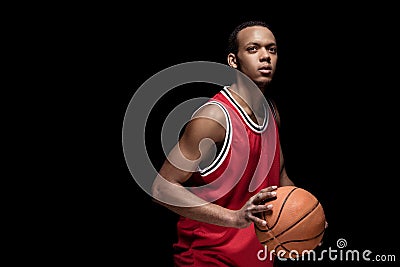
[212,109]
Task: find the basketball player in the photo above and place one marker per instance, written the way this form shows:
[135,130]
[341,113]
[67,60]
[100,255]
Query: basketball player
[228,146]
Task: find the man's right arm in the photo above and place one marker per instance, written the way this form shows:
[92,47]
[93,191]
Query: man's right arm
[205,129]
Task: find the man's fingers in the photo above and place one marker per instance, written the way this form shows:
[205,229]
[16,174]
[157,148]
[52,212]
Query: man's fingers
[263,196]
[268,189]
[253,213]
[259,221]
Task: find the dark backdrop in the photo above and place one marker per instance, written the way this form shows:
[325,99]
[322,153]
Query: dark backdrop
[333,88]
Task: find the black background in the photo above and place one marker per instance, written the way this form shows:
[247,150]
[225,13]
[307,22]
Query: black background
[334,88]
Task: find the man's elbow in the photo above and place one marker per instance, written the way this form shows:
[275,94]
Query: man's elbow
[284,179]
[159,190]
[155,190]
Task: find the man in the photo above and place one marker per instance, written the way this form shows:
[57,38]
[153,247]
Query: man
[228,162]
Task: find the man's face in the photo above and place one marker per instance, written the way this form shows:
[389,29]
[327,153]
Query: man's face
[257,55]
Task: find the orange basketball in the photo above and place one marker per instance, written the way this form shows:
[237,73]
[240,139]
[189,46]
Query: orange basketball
[295,225]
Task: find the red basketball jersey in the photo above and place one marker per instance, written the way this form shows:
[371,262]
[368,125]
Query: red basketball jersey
[247,162]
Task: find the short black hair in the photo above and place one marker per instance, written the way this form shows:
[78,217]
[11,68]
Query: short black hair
[233,45]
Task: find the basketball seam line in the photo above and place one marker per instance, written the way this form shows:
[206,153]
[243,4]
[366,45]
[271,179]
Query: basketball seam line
[279,214]
[300,240]
[303,240]
[291,226]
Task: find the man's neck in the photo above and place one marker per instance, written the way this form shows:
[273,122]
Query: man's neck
[251,101]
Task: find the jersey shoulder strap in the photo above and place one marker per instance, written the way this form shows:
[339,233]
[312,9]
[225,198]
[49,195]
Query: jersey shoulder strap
[274,110]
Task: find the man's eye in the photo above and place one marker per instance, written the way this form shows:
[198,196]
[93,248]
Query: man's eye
[273,50]
[252,49]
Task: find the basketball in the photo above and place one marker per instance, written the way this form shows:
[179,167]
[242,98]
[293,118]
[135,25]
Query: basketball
[295,225]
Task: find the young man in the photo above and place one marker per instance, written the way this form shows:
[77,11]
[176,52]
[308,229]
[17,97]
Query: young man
[227,163]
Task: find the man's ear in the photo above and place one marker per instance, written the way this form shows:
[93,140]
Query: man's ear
[232,60]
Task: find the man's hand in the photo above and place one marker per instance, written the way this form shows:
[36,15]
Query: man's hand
[250,212]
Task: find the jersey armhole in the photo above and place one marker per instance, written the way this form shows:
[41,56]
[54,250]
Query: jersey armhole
[274,111]
[220,157]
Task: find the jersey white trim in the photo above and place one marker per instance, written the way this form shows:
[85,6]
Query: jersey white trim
[254,126]
[226,145]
